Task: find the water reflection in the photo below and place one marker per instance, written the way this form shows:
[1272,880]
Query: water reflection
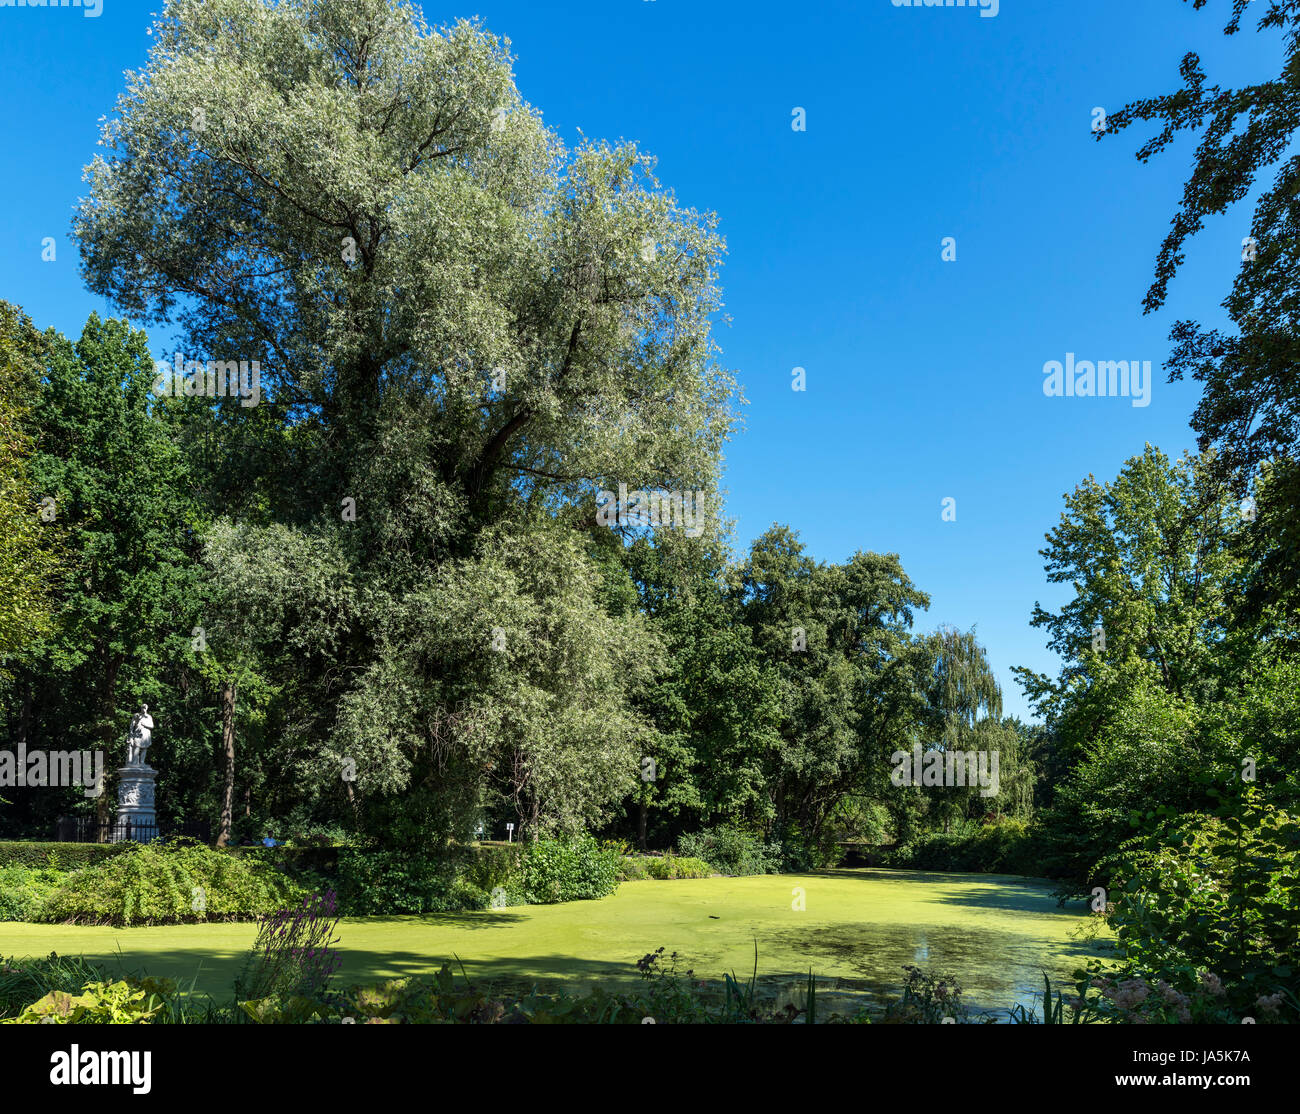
[996,969]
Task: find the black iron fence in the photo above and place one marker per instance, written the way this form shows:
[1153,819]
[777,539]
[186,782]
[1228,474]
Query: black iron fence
[88,829]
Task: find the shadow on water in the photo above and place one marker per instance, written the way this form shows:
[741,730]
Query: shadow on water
[997,970]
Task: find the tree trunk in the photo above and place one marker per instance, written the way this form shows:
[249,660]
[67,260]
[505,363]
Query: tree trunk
[640,826]
[228,748]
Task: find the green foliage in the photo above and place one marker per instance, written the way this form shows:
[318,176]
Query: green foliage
[28,545]
[928,999]
[632,868]
[170,883]
[124,1002]
[858,820]
[717,706]
[373,882]
[1000,847]
[1080,1008]
[58,856]
[848,696]
[671,866]
[1212,900]
[23,981]
[732,850]
[489,867]
[575,869]
[24,890]
[128,591]
[804,850]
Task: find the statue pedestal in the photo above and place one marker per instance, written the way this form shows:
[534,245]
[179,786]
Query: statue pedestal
[135,815]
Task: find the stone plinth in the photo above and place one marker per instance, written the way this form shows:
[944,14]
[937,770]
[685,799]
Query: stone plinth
[135,815]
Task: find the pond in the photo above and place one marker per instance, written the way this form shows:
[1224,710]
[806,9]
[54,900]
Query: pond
[857,929]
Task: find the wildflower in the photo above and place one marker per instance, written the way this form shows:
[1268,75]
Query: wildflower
[1131,993]
[1270,1003]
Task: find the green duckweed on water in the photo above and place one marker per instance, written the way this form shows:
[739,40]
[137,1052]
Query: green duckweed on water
[997,934]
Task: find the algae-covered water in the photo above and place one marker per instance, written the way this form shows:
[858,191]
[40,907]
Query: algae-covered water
[995,933]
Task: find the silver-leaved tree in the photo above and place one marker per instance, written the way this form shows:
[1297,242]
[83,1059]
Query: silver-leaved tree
[459,331]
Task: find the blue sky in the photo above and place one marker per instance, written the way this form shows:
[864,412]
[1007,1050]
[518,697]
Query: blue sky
[924,378]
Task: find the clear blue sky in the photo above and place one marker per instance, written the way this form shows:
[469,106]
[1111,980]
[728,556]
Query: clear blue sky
[924,377]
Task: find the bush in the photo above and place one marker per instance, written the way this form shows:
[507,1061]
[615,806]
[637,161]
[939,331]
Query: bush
[23,891]
[1004,846]
[1209,902]
[304,861]
[671,866]
[800,852]
[58,856]
[388,883]
[25,980]
[577,869]
[732,851]
[632,868]
[125,1002]
[176,882]
[488,868]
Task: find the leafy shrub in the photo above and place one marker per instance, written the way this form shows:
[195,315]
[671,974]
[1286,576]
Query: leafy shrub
[388,883]
[488,868]
[732,851]
[576,869]
[1005,846]
[58,856]
[125,1002]
[306,863]
[632,868]
[25,980]
[801,852]
[1210,901]
[24,889]
[176,882]
[671,866]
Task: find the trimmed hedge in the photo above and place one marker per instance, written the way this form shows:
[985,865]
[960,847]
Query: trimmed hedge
[58,856]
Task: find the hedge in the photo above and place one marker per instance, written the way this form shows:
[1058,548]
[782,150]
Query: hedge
[60,856]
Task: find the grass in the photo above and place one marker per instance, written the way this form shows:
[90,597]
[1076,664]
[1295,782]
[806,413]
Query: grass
[998,934]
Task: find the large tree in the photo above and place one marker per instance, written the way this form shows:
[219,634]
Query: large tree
[464,330]
[28,534]
[1149,645]
[1250,407]
[838,636]
[130,590]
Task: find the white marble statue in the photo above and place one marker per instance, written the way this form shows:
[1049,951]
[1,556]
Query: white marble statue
[138,737]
